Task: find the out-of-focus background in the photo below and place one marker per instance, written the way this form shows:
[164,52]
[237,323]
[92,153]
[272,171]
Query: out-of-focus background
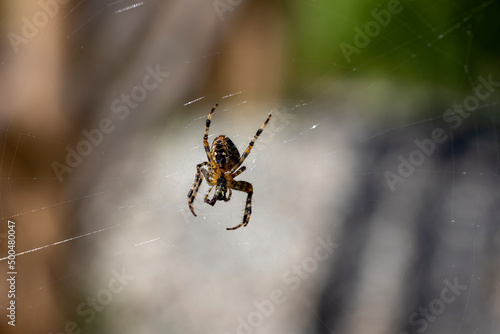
[375,206]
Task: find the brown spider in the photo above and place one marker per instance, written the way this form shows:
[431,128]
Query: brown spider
[222,167]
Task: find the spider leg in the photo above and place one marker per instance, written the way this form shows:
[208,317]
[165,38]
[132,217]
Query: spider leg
[196,185]
[213,200]
[238,172]
[249,148]
[205,137]
[229,197]
[248,188]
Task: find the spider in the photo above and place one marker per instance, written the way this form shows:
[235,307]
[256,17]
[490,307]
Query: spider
[222,167]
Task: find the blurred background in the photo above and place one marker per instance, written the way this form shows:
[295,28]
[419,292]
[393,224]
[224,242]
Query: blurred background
[375,206]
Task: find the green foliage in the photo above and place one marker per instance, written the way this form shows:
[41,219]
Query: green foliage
[442,42]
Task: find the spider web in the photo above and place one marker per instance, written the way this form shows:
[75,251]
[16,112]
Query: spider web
[304,169]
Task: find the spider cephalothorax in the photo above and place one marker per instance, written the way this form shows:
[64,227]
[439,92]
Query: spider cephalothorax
[220,190]
[222,167]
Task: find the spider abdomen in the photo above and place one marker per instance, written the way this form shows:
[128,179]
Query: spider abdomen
[225,153]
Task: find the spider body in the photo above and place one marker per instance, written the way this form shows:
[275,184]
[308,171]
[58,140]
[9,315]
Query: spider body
[225,152]
[223,165]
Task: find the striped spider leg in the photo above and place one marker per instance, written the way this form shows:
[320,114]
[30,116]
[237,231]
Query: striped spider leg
[200,172]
